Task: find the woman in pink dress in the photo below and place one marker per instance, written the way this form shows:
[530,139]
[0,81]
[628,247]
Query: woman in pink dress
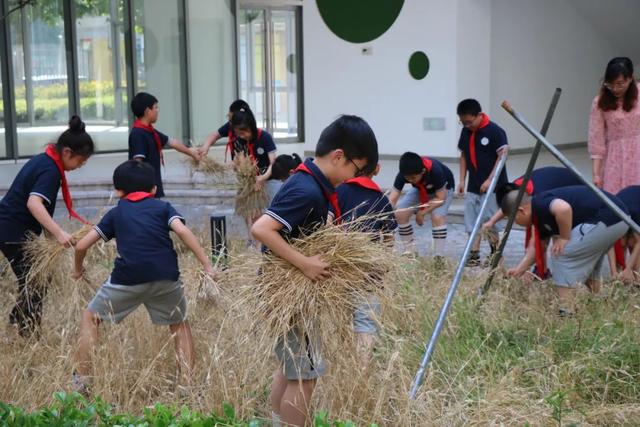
[614,129]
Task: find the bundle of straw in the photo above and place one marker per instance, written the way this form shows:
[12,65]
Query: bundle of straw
[208,166]
[250,201]
[283,298]
[50,263]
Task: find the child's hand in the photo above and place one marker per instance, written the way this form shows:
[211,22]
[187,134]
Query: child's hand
[485,186]
[487,226]
[203,151]
[558,246]
[78,274]
[420,217]
[515,272]
[197,156]
[461,189]
[627,275]
[314,268]
[211,272]
[597,181]
[65,239]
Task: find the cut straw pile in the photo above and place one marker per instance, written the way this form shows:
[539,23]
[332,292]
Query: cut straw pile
[283,298]
[208,166]
[250,201]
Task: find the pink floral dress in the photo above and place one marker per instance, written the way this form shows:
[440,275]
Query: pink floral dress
[614,136]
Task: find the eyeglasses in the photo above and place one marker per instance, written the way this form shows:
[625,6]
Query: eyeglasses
[617,85]
[359,170]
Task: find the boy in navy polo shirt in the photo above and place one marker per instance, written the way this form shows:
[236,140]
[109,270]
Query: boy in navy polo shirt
[344,149]
[541,180]
[362,197]
[431,181]
[583,228]
[145,271]
[146,143]
[226,131]
[481,145]
[630,196]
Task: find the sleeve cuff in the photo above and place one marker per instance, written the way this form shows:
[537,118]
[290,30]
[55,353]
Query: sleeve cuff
[279,219]
[173,218]
[42,196]
[139,156]
[102,235]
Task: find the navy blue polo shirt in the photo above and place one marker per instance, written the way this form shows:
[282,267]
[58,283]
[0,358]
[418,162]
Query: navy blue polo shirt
[550,177]
[262,146]
[142,145]
[145,250]
[438,178]
[300,205]
[586,206]
[39,176]
[630,196]
[489,141]
[223,130]
[356,201]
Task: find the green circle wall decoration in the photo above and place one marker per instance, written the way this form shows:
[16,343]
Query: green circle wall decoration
[359,21]
[419,65]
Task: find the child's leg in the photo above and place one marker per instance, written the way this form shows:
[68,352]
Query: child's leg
[365,342]
[403,214]
[594,285]
[439,234]
[184,347]
[567,298]
[87,340]
[278,387]
[294,408]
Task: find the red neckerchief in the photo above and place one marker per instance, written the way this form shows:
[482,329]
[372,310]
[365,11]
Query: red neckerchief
[250,145]
[231,139]
[364,182]
[138,124]
[423,194]
[529,191]
[472,140]
[619,251]
[136,196]
[331,198]
[540,262]
[66,194]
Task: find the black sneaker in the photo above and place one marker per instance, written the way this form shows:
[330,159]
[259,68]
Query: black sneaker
[474,259]
[565,313]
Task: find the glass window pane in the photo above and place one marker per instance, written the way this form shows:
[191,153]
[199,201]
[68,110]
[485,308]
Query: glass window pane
[285,74]
[101,72]
[3,144]
[251,58]
[40,74]
[159,60]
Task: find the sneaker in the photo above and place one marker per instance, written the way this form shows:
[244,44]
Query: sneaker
[473,260]
[565,313]
[80,384]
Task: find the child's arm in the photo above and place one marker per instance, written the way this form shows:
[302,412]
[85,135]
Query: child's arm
[35,204]
[394,196]
[266,230]
[180,147]
[493,220]
[463,173]
[485,185]
[211,139]
[563,215]
[81,251]
[526,262]
[261,179]
[632,262]
[189,239]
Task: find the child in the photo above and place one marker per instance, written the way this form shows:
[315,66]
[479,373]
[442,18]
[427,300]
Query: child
[225,130]
[630,196]
[360,197]
[583,229]
[146,270]
[28,207]
[431,181]
[481,145]
[541,180]
[259,146]
[146,143]
[344,149]
[284,166]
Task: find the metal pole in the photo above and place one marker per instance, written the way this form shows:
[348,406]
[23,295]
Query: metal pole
[525,179]
[454,283]
[218,237]
[558,155]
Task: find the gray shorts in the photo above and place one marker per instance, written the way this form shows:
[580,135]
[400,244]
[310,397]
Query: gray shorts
[585,255]
[164,301]
[472,204]
[412,198]
[365,315]
[300,356]
[272,186]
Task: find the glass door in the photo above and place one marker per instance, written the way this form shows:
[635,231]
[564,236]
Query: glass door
[270,67]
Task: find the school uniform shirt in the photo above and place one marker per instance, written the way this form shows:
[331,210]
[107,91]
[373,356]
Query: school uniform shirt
[548,178]
[145,250]
[630,196]
[142,145]
[262,146]
[301,205]
[586,208]
[356,201]
[489,141]
[440,177]
[40,177]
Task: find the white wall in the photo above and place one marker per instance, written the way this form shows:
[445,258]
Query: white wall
[340,79]
[212,61]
